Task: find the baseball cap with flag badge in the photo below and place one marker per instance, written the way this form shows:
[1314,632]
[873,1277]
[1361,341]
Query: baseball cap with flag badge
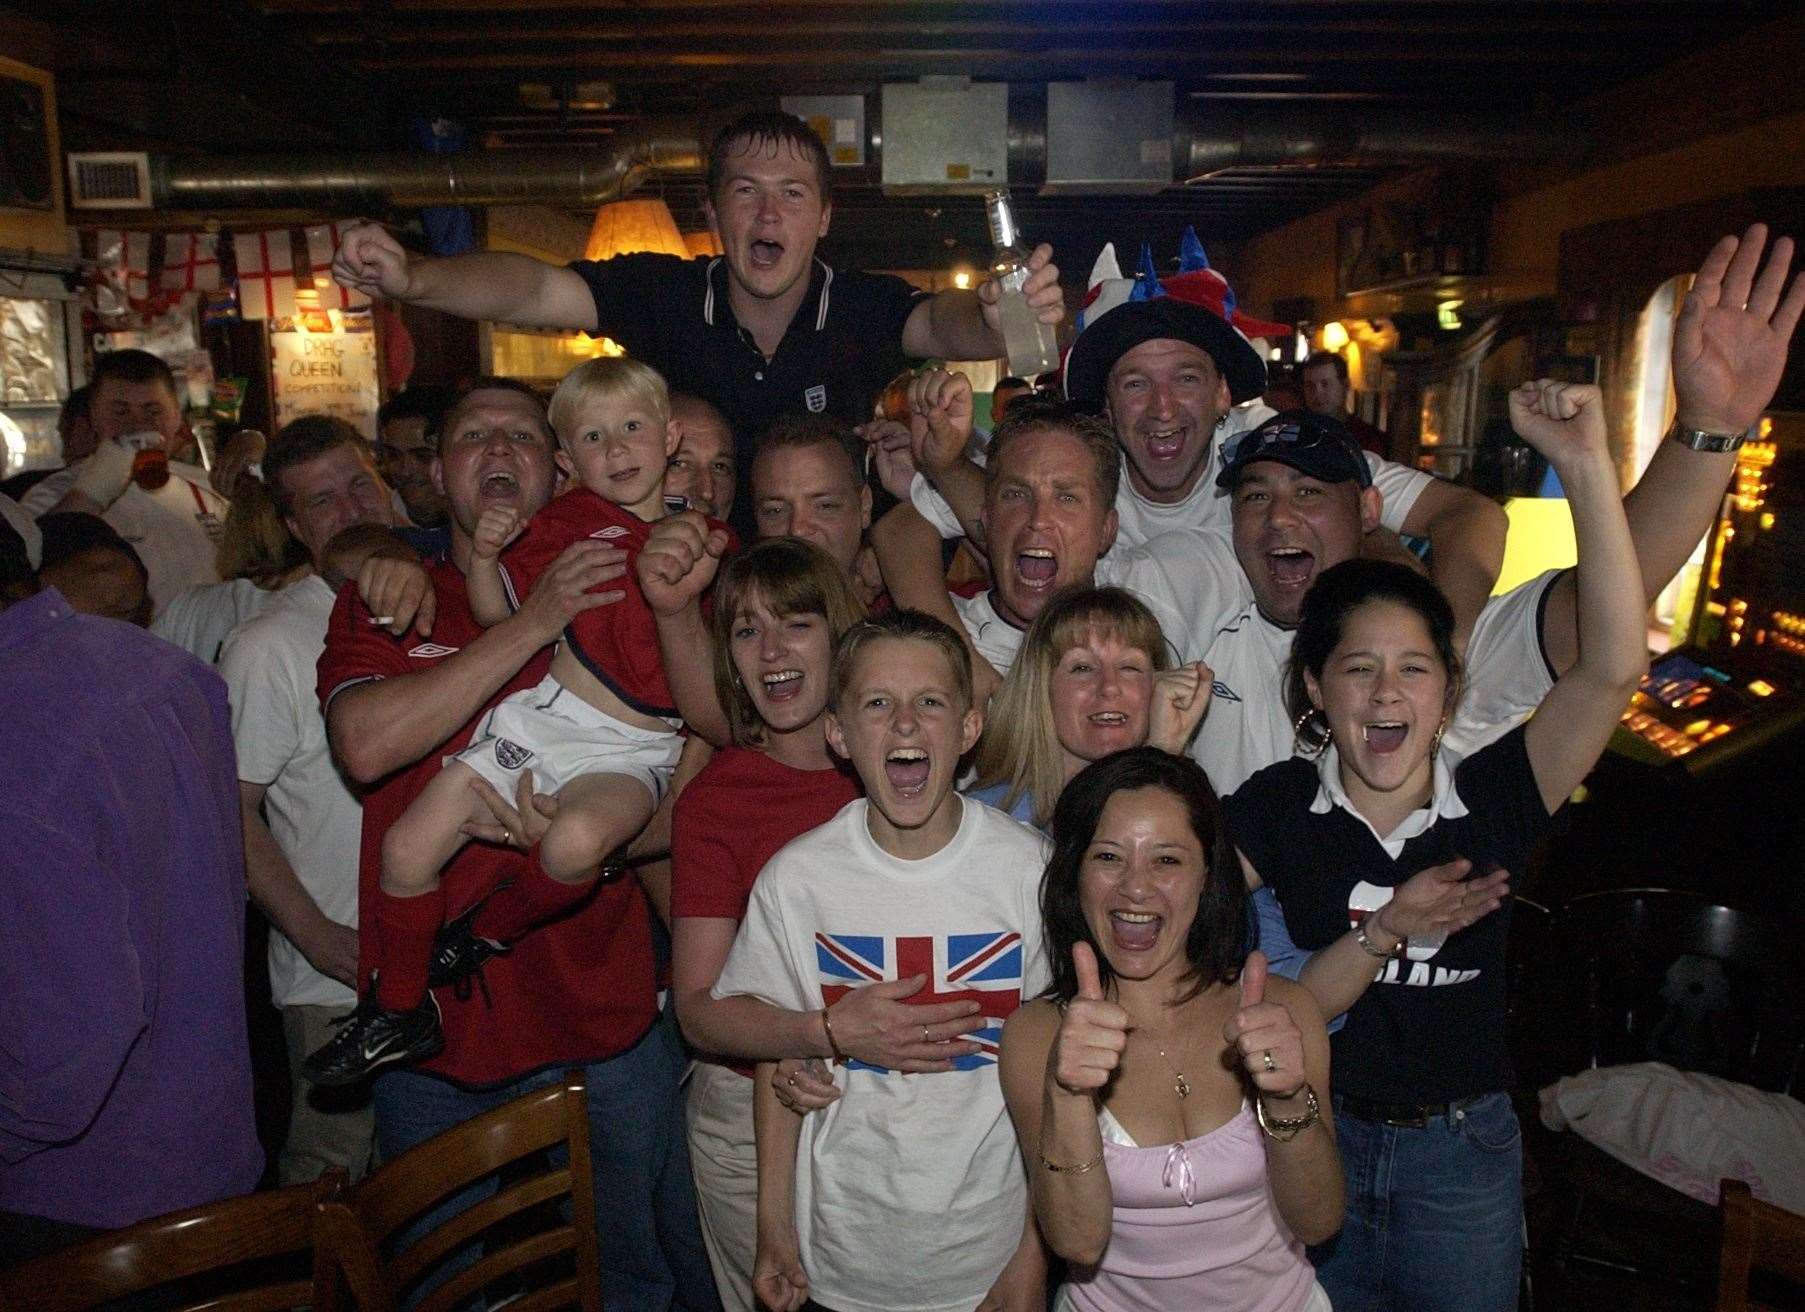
[1195,305]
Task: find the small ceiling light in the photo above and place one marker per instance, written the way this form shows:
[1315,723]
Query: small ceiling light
[1334,336]
[1447,315]
[962,279]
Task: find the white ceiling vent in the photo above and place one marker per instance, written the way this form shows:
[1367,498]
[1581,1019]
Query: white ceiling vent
[945,134]
[109,180]
[1108,138]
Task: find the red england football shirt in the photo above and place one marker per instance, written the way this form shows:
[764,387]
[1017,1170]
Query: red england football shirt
[618,644]
[572,992]
[731,820]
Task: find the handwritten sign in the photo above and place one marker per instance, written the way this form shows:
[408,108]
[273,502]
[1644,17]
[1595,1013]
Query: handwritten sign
[329,373]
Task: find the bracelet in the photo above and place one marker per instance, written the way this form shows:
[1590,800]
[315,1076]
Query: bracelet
[1371,948]
[1283,1129]
[1079,1169]
[833,1044]
[1699,439]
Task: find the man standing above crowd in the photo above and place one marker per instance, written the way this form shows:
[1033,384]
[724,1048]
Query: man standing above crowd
[763,330]
[165,510]
[576,991]
[302,825]
[1325,393]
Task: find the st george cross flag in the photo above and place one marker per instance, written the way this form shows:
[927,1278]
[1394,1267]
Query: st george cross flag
[190,262]
[124,260]
[322,241]
[983,967]
[266,278]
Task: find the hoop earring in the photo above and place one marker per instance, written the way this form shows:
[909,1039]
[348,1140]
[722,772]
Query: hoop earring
[1298,726]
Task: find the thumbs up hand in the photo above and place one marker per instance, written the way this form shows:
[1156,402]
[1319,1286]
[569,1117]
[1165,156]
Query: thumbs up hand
[1270,1044]
[1092,1032]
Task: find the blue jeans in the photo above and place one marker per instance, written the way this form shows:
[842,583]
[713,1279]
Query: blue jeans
[1434,1215]
[651,1238]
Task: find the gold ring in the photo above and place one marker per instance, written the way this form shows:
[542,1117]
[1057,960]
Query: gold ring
[1266,1056]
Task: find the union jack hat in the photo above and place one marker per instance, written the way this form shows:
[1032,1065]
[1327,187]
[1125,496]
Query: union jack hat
[1195,305]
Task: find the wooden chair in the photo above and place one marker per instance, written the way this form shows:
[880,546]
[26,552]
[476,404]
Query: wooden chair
[1757,1237]
[251,1254]
[361,1230]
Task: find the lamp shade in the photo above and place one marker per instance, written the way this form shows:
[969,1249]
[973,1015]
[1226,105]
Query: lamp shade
[624,226]
[702,243]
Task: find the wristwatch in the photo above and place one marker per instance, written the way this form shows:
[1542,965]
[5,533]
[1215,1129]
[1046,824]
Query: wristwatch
[1697,439]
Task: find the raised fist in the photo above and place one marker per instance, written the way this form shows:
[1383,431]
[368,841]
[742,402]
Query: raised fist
[371,261]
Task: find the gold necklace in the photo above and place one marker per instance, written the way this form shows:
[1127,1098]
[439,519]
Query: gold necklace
[1180,1085]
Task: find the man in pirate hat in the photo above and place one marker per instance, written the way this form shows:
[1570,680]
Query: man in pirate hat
[1172,364]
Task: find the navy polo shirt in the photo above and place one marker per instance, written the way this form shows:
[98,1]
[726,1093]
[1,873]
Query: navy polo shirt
[843,346]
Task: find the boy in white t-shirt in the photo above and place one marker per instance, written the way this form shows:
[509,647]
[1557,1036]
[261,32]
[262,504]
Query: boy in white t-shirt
[907,1193]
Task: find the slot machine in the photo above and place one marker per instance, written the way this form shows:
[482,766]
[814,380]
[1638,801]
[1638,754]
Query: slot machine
[1703,787]
[1738,688]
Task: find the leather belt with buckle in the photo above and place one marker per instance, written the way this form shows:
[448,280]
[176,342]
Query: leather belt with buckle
[1406,1115]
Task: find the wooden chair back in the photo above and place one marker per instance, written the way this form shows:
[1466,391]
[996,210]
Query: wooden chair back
[361,1229]
[1668,976]
[1757,1237]
[250,1254]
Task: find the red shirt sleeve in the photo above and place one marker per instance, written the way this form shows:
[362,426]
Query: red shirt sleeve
[356,650]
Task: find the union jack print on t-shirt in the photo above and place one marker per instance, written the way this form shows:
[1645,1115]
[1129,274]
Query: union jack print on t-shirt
[985,968]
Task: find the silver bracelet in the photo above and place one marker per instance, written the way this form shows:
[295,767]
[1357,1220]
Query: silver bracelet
[1698,439]
[1371,948]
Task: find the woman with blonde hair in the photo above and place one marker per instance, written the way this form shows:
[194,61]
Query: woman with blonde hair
[257,557]
[1093,677]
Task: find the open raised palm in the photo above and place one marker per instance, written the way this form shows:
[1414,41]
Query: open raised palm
[1729,345]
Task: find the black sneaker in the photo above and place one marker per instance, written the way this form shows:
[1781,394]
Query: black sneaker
[371,1038]
[458,954]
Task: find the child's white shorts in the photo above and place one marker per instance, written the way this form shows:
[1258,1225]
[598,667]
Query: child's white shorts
[558,736]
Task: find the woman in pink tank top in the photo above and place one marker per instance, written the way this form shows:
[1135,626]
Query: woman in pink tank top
[1172,1100]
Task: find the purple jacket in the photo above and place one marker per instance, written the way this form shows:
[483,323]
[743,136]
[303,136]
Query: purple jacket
[125,1077]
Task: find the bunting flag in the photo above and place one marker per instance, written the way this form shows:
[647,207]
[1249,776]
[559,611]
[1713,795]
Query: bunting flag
[322,241]
[266,277]
[124,260]
[190,263]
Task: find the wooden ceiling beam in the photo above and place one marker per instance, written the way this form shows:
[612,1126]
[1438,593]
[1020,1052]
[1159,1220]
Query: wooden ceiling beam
[403,29]
[1289,9]
[990,60]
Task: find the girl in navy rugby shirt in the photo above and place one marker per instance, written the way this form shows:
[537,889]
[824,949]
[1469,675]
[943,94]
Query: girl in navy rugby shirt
[1428,1139]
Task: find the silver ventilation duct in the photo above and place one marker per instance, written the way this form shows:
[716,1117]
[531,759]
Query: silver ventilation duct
[1206,140]
[1276,137]
[367,183]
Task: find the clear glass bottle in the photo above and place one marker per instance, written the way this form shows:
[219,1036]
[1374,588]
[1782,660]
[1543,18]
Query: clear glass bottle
[1032,346]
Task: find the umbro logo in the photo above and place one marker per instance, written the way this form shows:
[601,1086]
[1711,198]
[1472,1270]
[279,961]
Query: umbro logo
[612,531]
[1223,691]
[427,651]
